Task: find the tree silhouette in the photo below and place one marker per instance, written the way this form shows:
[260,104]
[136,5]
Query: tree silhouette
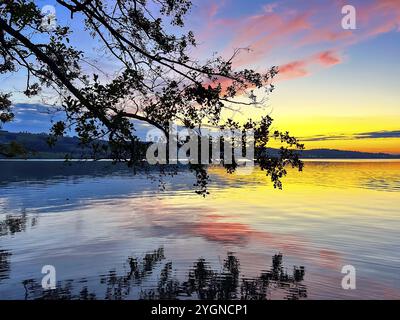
[156,79]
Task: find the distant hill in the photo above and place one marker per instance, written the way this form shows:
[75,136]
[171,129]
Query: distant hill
[38,148]
[341,154]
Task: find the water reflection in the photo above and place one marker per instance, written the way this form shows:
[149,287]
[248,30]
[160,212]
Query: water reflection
[60,186]
[202,282]
[85,219]
[72,185]
[11,225]
[4,264]
[365,174]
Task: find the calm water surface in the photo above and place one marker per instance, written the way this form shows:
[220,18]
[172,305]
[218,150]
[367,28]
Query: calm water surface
[112,235]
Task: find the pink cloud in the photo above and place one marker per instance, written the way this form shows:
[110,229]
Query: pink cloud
[265,32]
[294,69]
[302,68]
[299,68]
[328,58]
[275,29]
[381,16]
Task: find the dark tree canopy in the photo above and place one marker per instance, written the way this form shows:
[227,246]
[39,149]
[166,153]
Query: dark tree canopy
[156,79]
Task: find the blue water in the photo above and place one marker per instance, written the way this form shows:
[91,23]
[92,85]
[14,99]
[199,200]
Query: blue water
[111,234]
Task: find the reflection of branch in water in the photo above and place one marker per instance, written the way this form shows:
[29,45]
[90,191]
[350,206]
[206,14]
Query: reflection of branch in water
[119,287]
[11,225]
[276,278]
[16,223]
[4,264]
[209,284]
[63,291]
[167,288]
[202,282]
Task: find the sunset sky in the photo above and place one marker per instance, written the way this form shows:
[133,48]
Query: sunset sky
[336,88]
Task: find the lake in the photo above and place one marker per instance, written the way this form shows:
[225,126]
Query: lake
[114,235]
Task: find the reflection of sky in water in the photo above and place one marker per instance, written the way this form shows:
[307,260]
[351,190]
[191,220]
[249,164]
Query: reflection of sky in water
[87,221]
